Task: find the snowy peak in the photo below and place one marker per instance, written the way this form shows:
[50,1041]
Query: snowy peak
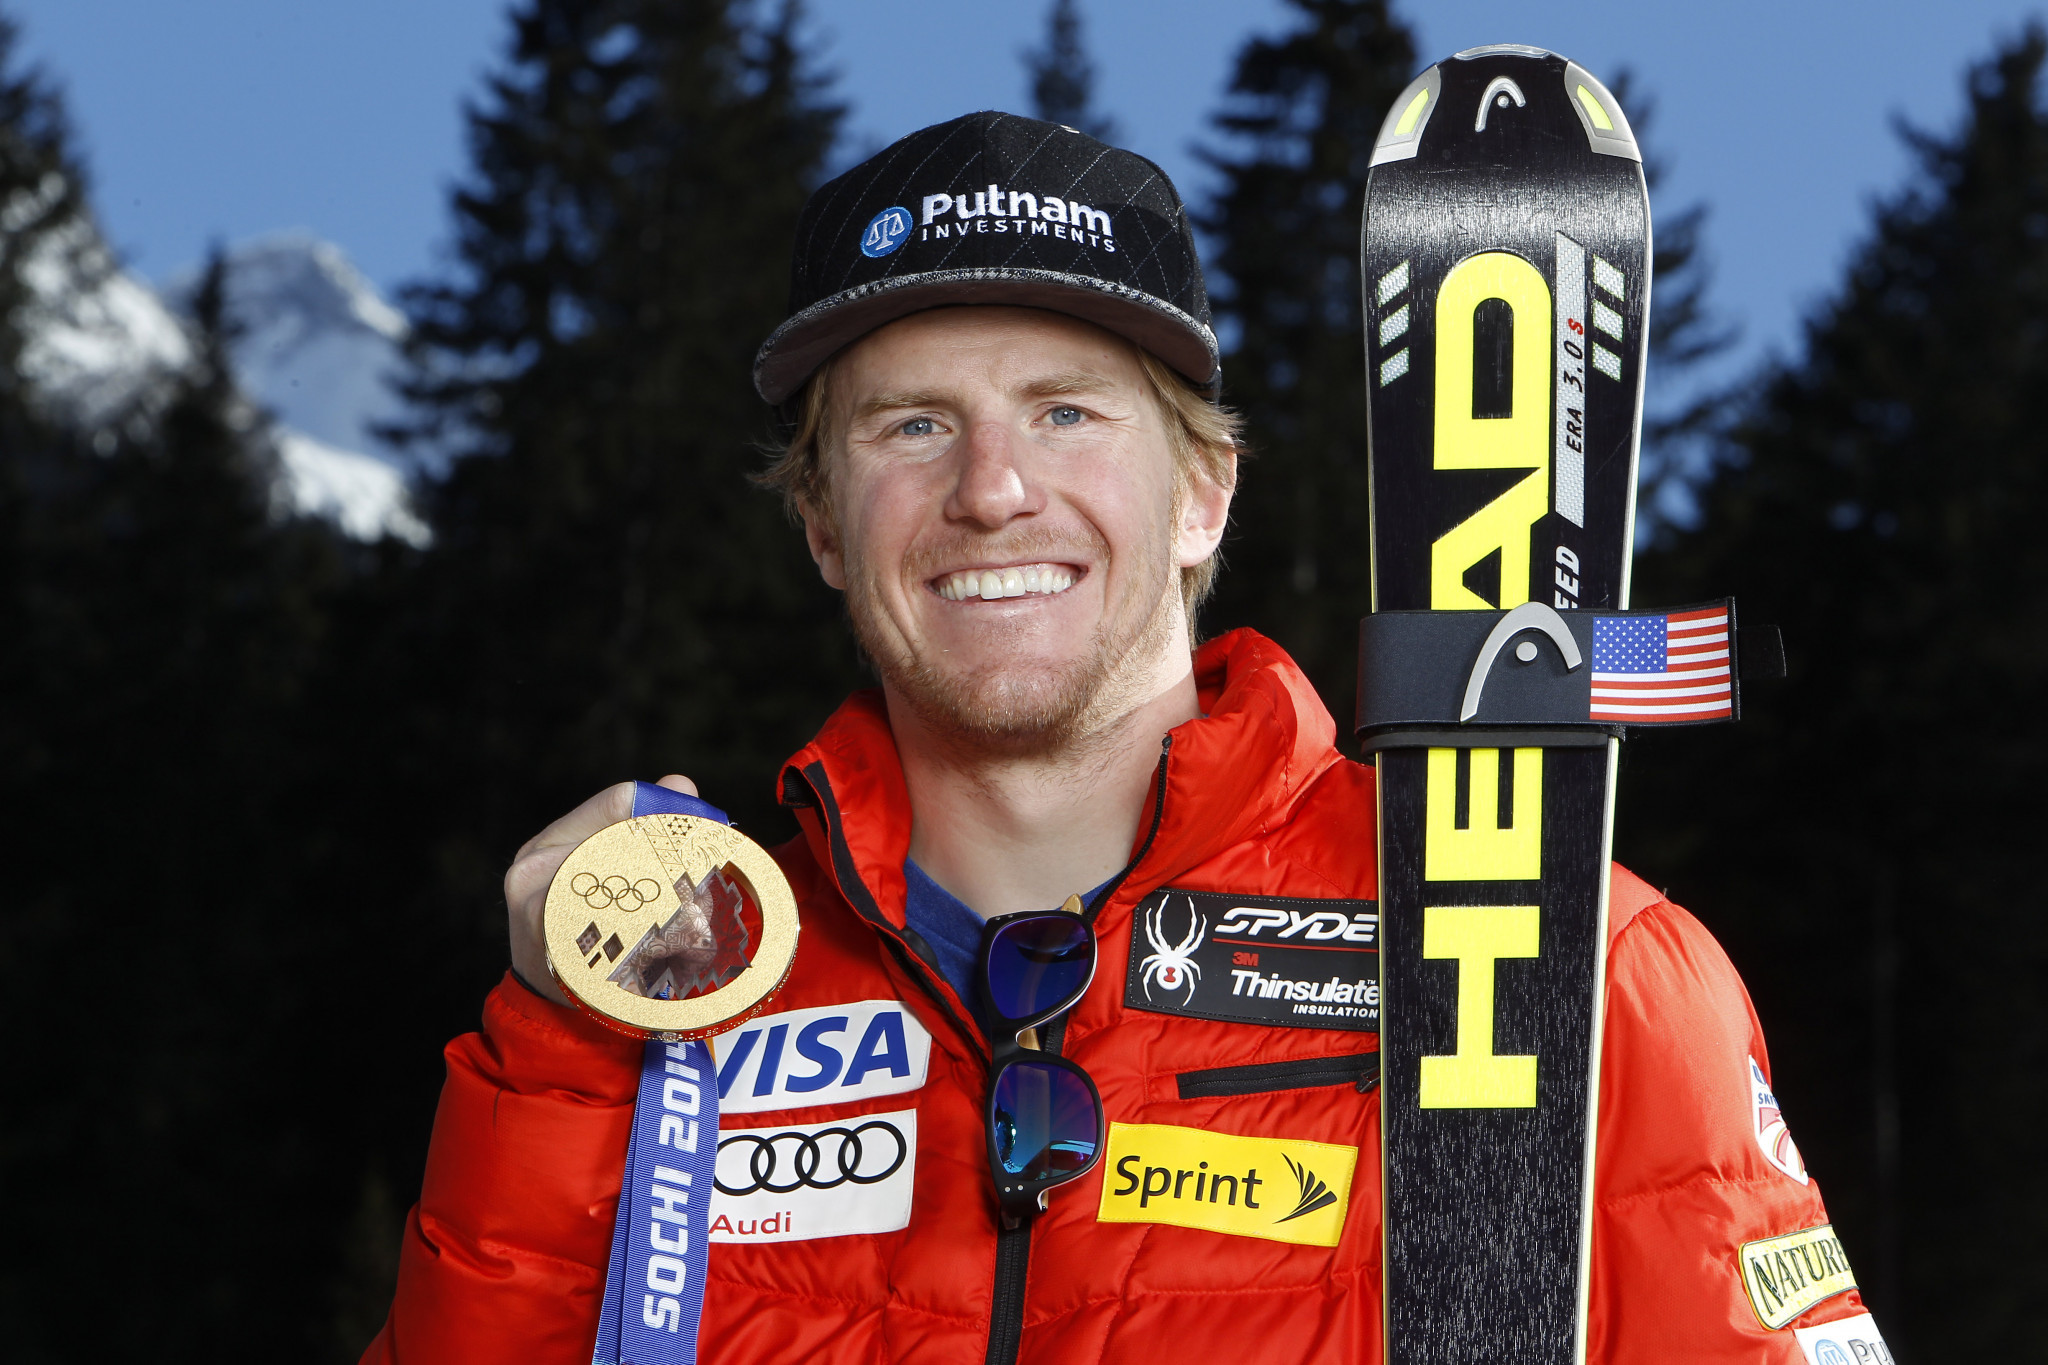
[316,347]
[361,494]
[316,343]
[293,287]
[99,343]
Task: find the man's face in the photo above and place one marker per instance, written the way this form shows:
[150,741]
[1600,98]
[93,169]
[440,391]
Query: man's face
[1009,523]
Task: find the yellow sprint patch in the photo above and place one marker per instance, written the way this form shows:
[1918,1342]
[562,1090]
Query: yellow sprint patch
[1787,1275]
[1276,1188]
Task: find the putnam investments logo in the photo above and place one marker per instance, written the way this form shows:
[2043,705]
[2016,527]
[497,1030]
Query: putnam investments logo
[1276,1188]
[1021,212]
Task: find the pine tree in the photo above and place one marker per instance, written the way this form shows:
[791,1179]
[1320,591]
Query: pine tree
[612,597]
[42,192]
[163,623]
[607,596]
[1685,335]
[1300,120]
[1864,841]
[1063,76]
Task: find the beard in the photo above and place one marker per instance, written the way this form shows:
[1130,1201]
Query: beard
[1022,709]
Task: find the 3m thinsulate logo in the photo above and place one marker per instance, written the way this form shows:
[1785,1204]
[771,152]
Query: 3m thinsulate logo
[1248,958]
[821,1055]
[1787,1275]
[1276,1188]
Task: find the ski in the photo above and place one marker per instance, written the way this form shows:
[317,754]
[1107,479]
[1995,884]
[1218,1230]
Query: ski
[1506,275]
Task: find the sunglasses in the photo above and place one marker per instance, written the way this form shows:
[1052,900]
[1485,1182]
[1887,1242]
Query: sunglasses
[1045,1119]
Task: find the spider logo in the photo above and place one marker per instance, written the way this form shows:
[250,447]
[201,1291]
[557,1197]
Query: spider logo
[1170,965]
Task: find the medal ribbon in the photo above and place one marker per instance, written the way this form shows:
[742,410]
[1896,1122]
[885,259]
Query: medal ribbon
[654,1285]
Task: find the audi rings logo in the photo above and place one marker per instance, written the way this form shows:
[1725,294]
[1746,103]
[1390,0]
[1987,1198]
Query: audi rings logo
[604,893]
[842,1178]
[780,1163]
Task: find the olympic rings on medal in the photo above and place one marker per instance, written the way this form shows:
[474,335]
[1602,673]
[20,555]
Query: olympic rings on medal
[764,1161]
[615,890]
[628,914]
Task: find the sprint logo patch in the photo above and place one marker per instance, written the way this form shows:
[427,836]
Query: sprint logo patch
[1245,958]
[1275,1188]
[1787,1275]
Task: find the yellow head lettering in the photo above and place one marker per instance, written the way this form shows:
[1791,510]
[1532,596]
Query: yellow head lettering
[1488,850]
[1477,936]
[1520,440]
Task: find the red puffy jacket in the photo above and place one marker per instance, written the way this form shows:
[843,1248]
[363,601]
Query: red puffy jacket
[504,1257]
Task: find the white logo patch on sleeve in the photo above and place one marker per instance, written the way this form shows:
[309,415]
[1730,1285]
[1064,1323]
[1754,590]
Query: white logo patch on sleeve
[821,1055]
[1852,1341]
[1773,1138]
[798,1182]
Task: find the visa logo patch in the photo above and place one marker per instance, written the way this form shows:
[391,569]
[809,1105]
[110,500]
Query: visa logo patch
[821,1056]
[1275,1188]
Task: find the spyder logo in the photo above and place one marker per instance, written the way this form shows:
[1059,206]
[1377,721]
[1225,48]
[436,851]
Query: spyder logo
[1172,965]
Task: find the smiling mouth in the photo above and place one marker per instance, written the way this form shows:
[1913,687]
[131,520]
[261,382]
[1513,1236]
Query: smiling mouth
[1022,580]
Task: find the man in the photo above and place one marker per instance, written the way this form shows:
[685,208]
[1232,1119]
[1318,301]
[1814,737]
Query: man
[1005,455]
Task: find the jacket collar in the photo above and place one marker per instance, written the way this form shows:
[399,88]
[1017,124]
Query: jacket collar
[1263,739]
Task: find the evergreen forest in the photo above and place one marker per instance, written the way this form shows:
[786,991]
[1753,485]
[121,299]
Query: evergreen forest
[281,771]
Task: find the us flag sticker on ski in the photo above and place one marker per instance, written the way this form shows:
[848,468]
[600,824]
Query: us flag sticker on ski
[1663,668]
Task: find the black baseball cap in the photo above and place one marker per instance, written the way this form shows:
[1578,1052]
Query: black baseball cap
[994,209]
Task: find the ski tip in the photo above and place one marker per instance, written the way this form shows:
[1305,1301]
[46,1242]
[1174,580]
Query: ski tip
[1401,134]
[1502,50]
[1607,130]
[1504,77]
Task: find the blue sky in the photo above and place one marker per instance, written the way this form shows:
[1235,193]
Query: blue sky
[223,119]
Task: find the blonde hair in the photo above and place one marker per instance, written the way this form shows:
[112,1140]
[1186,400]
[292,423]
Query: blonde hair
[1203,436]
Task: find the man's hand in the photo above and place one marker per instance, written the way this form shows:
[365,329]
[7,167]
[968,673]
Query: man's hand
[527,880]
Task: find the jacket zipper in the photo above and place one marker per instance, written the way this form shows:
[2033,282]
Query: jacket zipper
[1361,1069]
[1013,1245]
[856,892]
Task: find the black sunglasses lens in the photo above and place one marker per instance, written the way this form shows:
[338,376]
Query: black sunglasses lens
[1035,963]
[1045,1121]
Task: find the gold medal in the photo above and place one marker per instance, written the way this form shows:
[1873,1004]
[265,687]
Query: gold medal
[670,926]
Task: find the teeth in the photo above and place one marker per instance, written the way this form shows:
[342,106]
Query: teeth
[992,585]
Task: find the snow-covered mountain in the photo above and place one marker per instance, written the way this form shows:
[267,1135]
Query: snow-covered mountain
[316,345]
[317,341]
[98,342]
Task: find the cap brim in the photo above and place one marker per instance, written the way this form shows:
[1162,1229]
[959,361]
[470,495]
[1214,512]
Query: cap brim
[812,337]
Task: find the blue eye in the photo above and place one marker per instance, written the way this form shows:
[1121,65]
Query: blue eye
[919,426]
[1065,417]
